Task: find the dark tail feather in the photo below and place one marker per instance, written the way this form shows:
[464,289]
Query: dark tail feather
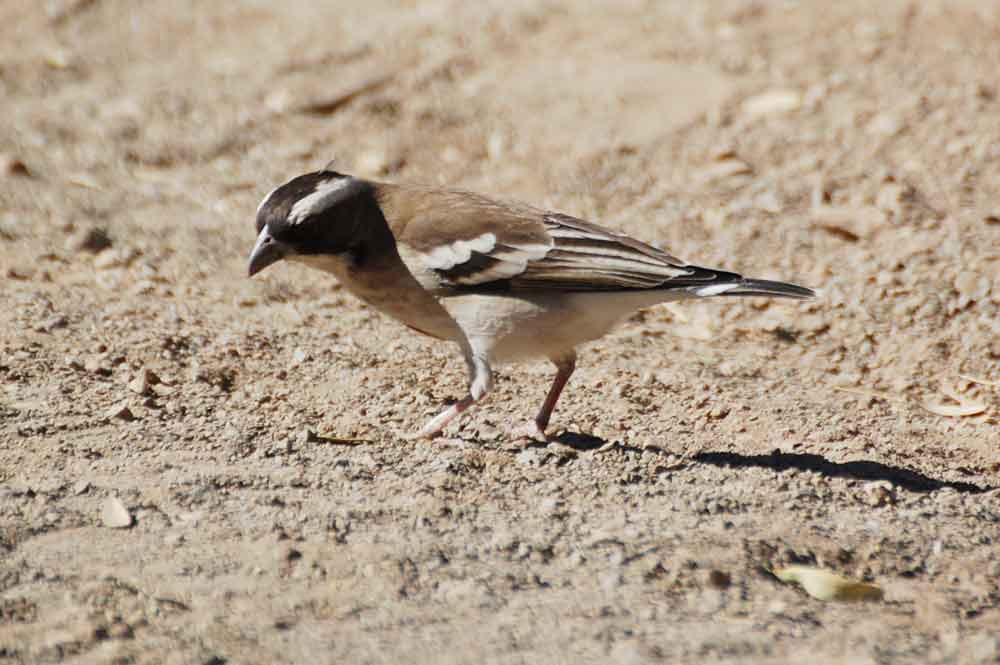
[707,282]
[765,287]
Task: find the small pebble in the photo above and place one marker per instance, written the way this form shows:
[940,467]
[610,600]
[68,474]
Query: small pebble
[121,411]
[143,381]
[114,514]
[885,124]
[773,101]
[113,258]
[879,493]
[718,579]
[12,166]
[52,323]
[97,365]
[972,286]
[91,240]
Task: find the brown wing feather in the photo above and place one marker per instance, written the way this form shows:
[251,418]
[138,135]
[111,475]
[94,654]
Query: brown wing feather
[473,242]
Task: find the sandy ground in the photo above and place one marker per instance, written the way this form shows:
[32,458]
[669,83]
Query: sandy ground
[249,430]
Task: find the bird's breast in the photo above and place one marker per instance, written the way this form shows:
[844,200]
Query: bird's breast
[388,286]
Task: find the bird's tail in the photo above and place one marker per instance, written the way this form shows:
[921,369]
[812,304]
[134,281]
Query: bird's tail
[766,287]
[719,283]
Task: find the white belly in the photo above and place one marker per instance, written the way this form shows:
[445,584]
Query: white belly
[511,328]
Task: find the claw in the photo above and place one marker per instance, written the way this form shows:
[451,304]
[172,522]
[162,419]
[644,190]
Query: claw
[529,430]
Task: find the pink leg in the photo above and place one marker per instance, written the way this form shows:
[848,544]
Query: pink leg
[564,367]
[480,382]
[536,428]
[441,420]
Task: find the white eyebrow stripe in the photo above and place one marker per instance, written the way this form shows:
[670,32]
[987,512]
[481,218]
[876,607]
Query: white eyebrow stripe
[456,253]
[318,201]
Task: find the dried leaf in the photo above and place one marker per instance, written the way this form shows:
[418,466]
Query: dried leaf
[824,585]
[966,406]
[954,410]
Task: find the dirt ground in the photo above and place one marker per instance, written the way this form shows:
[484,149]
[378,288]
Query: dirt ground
[247,433]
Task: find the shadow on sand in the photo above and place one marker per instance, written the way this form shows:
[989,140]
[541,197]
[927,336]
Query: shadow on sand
[861,470]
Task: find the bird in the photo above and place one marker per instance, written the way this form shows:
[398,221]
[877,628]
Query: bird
[503,280]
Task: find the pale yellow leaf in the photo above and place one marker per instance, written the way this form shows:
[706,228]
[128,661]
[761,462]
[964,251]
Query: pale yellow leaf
[966,406]
[954,410]
[824,585]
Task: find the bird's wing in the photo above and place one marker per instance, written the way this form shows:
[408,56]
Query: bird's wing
[470,242]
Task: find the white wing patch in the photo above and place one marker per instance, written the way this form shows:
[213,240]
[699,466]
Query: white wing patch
[714,289]
[448,256]
[520,255]
[510,261]
[479,260]
[318,201]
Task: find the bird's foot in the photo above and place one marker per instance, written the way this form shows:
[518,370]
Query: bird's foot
[530,430]
[438,422]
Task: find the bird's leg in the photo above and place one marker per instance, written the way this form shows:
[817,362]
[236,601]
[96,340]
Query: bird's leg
[535,429]
[480,382]
[564,369]
[441,420]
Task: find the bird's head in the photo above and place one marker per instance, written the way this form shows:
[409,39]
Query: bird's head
[312,215]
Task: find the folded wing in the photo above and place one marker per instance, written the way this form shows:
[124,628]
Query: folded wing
[459,241]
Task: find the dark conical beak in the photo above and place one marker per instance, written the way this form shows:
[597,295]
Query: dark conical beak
[265,252]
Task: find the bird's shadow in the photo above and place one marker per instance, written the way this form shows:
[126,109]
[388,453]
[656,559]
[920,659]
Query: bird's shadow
[583,443]
[579,441]
[913,481]
[908,479]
